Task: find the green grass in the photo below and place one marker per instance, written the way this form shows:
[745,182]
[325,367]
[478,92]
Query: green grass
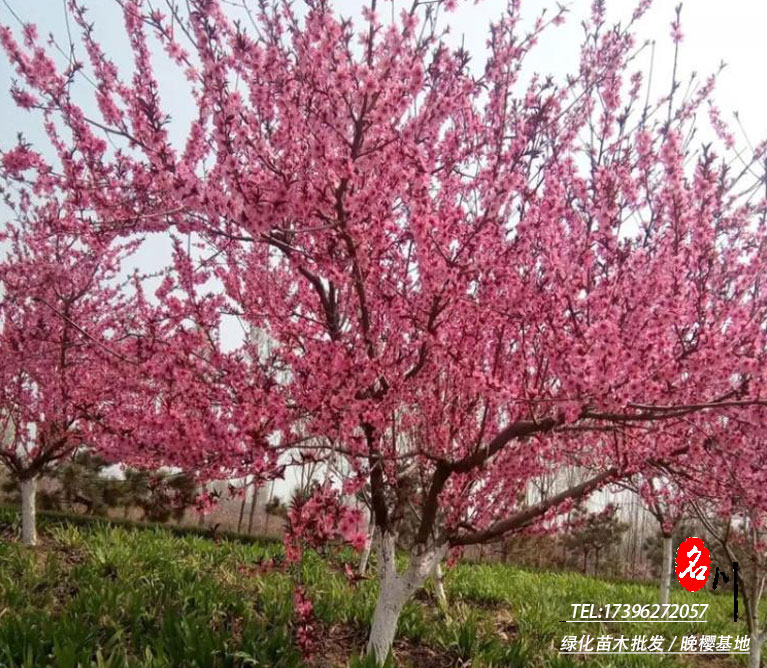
[114,596]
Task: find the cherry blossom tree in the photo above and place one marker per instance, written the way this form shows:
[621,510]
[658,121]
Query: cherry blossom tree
[740,537]
[59,310]
[727,490]
[90,362]
[468,279]
[186,401]
[666,501]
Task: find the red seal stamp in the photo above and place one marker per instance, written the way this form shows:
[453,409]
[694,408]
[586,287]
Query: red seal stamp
[693,563]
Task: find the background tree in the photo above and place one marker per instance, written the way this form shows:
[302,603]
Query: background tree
[654,546]
[169,495]
[159,495]
[60,314]
[594,534]
[243,503]
[92,365]
[665,500]
[731,505]
[83,484]
[76,485]
[134,487]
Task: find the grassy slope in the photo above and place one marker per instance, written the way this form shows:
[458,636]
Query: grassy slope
[110,596]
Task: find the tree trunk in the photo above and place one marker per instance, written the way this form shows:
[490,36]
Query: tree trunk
[201,516]
[391,599]
[666,568]
[29,511]
[755,653]
[242,507]
[253,506]
[268,515]
[365,556]
[395,590]
[439,587]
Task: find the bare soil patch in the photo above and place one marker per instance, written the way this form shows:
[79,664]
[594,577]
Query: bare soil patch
[341,641]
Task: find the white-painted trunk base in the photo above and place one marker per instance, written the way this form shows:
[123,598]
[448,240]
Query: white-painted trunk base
[755,652]
[666,569]
[439,587]
[29,511]
[396,589]
[391,600]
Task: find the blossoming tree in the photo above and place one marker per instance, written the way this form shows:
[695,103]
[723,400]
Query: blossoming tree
[90,362]
[468,279]
[727,491]
[665,500]
[58,309]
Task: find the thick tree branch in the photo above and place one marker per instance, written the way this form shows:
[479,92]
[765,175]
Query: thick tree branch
[444,469]
[526,516]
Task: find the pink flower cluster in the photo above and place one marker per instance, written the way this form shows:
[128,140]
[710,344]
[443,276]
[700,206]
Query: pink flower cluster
[320,519]
[306,624]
